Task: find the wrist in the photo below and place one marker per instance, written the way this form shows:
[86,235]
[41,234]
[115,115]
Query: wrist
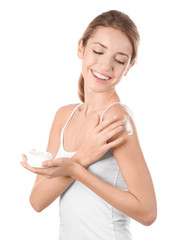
[76,169]
[78,158]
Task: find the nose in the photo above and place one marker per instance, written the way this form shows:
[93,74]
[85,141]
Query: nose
[106,64]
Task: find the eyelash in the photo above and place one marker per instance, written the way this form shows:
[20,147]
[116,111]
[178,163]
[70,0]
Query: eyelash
[97,52]
[119,62]
[100,53]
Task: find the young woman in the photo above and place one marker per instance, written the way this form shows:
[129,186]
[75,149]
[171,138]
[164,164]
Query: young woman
[98,166]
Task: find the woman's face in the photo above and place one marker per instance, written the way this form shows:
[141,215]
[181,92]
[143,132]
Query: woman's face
[105,58]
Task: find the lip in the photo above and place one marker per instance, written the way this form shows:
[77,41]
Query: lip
[99,79]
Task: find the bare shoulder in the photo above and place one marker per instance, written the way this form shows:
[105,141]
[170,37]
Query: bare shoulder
[63,113]
[61,116]
[121,111]
[118,109]
[129,133]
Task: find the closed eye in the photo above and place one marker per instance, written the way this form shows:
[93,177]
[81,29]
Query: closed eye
[100,53]
[97,52]
[119,62]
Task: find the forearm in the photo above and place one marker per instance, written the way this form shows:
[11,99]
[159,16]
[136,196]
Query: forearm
[124,201]
[45,190]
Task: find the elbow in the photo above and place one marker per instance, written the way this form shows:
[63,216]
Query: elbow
[149,218]
[35,205]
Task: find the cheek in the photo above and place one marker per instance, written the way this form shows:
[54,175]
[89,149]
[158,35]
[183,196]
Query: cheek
[121,71]
[124,69]
[89,59]
[87,62]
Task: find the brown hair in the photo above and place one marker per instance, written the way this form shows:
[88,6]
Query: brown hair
[117,20]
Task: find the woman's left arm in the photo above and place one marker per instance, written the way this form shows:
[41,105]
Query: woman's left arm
[139,202]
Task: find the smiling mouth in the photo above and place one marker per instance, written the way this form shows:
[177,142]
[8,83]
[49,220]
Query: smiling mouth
[100,77]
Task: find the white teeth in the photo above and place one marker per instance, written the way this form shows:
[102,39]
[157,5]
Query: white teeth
[100,76]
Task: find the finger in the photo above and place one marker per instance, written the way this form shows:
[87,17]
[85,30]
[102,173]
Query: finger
[52,163]
[106,123]
[47,172]
[48,163]
[24,157]
[28,167]
[40,171]
[97,120]
[114,125]
[112,133]
[114,143]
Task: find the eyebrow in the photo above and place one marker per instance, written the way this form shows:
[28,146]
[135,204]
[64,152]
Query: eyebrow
[121,53]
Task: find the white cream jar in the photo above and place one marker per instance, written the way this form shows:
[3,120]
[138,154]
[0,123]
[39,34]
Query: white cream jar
[35,158]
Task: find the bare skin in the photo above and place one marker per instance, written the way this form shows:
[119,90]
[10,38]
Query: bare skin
[102,55]
[53,181]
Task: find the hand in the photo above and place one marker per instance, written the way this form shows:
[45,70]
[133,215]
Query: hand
[58,167]
[95,144]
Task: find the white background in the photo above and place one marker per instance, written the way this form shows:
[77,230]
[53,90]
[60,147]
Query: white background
[39,73]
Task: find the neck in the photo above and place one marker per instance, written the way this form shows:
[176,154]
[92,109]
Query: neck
[98,101]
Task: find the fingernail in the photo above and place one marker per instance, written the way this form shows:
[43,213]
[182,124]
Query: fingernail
[44,164]
[115,117]
[124,120]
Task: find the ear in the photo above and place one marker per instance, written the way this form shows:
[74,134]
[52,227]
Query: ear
[128,68]
[80,49]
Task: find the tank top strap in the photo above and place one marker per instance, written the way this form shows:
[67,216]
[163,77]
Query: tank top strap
[61,135]
[128,110]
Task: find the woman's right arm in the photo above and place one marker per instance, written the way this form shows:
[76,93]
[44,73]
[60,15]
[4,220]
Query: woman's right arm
[45,190]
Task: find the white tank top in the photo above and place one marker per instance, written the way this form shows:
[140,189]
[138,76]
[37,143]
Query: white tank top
[83,214]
